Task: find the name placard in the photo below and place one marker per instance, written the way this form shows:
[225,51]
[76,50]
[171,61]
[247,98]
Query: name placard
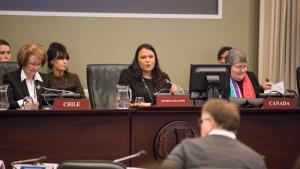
[177,100]
[279,103]
[71,104]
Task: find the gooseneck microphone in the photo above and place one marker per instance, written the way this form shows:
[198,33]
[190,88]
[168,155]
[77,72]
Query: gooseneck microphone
[168,81]
[149,93]
[33,160]
[142,152]
[54,90]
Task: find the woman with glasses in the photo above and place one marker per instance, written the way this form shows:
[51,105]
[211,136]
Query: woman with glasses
[60,77]
[23,91]
[243,83]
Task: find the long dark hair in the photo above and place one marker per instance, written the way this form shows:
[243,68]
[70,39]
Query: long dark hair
[157,73]
[56,51]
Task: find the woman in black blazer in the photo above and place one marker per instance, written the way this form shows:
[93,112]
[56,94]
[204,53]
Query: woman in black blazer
[24,81]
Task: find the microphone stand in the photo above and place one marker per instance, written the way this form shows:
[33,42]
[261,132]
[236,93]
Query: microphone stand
[149,93]
[142,152]
[34,160]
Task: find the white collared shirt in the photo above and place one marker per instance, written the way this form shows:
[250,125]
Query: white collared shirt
[30,86]
[222,132]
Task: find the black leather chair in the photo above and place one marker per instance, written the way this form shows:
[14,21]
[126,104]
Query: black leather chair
[6,67]
[102,82]
[298,80]
[90,165]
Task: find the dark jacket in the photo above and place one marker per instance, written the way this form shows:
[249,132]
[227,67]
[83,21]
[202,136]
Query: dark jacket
[17,89]
[139,88]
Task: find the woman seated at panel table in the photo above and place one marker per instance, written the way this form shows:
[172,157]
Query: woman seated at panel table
[144,76]
[243,83]
[24,81]
[60,77]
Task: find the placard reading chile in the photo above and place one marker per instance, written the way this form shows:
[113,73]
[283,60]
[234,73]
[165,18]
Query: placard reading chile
[193,9]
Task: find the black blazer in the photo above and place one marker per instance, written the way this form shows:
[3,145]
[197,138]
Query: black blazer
[127,77]
[17,89]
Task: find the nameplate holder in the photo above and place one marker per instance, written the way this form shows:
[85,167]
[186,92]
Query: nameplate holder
[279,103]
[71,104]
[169,100]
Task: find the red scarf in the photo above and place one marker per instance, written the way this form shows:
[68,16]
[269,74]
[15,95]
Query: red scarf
[248,90]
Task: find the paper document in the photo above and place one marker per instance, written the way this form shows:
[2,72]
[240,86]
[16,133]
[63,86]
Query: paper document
[278,87]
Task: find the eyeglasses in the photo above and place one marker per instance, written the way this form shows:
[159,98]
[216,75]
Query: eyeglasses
[241,67]
[3,52]
[33,65]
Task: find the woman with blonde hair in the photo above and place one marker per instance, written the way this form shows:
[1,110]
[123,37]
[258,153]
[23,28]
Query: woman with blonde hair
[24,81]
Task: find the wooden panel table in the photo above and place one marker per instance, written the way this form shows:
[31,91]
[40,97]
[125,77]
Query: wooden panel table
[110,134]
[64,135]
[275,134]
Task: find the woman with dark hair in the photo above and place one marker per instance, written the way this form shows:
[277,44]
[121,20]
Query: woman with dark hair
[144,76]
[60,77]
[223,54]
[5,51]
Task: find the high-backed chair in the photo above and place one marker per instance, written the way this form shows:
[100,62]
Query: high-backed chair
[6,67]
[90,165]
[298,80]
[102,82]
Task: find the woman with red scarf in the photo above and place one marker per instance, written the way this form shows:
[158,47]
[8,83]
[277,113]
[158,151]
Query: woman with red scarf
[243,83]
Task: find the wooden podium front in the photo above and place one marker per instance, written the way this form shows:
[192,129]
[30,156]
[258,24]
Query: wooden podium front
[108,134]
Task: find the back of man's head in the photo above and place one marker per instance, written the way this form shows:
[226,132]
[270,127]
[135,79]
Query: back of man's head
[225,113]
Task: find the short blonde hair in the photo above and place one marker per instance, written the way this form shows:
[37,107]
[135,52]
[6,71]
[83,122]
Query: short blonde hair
[225,113]
[28,50]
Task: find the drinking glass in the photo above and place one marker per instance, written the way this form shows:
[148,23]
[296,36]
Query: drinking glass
[139,100]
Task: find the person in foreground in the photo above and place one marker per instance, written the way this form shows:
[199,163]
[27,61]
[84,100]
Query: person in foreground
[218,146]
[24,81]
[60,77]
[5,51]
[223,54]
[144,76]
[243,83]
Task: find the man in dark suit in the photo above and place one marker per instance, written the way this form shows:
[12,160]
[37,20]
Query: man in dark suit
[218,147]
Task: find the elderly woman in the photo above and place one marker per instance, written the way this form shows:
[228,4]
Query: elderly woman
[144,76]
[243,83]
[24,81]
[60,77]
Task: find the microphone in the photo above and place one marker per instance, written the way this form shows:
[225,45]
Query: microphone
[142,152]
[54,90]
[149,93]
[29,160]
[168,81]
